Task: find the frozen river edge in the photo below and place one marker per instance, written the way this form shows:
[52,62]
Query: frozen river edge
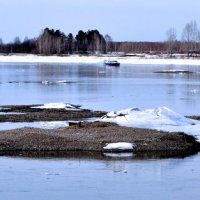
[77,59]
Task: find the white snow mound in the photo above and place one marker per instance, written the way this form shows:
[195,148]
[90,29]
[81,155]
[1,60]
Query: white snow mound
[119,146]
[161,118]
[58,106]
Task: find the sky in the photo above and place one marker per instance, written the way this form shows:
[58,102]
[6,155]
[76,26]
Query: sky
[123,20]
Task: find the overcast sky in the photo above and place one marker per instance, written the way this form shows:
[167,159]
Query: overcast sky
[124,20]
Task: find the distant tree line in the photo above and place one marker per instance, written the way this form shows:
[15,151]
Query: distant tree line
[52,41]
[27,46]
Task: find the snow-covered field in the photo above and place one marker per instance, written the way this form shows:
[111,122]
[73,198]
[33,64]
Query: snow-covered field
[138,59]
[161,118]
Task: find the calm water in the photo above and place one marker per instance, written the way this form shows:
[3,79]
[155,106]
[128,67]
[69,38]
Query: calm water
[100,87]
[103,88]
[99,179]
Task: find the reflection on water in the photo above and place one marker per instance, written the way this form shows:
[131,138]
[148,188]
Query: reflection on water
[92,155]
[82,178]
[100,87]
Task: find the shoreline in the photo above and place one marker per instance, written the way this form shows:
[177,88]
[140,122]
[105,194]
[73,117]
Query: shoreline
[139,59]
[93,137]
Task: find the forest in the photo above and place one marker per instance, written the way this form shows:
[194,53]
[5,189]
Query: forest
[51,42]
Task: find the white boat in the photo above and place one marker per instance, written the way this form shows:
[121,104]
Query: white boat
[111,63]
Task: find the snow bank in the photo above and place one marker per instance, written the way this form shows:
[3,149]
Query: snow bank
[119,146]
[159,61]
[161,118]
[59,106]
[49,59]
[143,60]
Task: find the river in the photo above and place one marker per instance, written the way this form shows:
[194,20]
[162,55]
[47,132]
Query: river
[98,87]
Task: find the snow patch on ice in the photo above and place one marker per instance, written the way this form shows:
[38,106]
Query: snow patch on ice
[45,82]
[61,82]
[161,118]
[58,106]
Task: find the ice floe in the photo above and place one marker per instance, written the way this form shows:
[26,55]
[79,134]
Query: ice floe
[66,106]
[61,82]
[174,71]
[161,118]
[194,91]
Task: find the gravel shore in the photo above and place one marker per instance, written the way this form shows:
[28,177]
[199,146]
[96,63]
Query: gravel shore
[31,114]
[83,136]
[93,137]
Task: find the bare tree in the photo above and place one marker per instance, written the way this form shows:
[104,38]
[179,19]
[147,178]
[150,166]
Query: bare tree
[1,45]
[171,41]
[189,36]
[198,42]
[108,41]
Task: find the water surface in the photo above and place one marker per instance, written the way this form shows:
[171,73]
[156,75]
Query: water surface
[99,87]
[91,179]
[102,88]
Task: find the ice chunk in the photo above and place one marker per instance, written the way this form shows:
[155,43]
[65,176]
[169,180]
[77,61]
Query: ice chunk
[58,106]
[119,146]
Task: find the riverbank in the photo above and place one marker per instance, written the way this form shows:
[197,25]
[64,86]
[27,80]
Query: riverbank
[140,59]
[83,136]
